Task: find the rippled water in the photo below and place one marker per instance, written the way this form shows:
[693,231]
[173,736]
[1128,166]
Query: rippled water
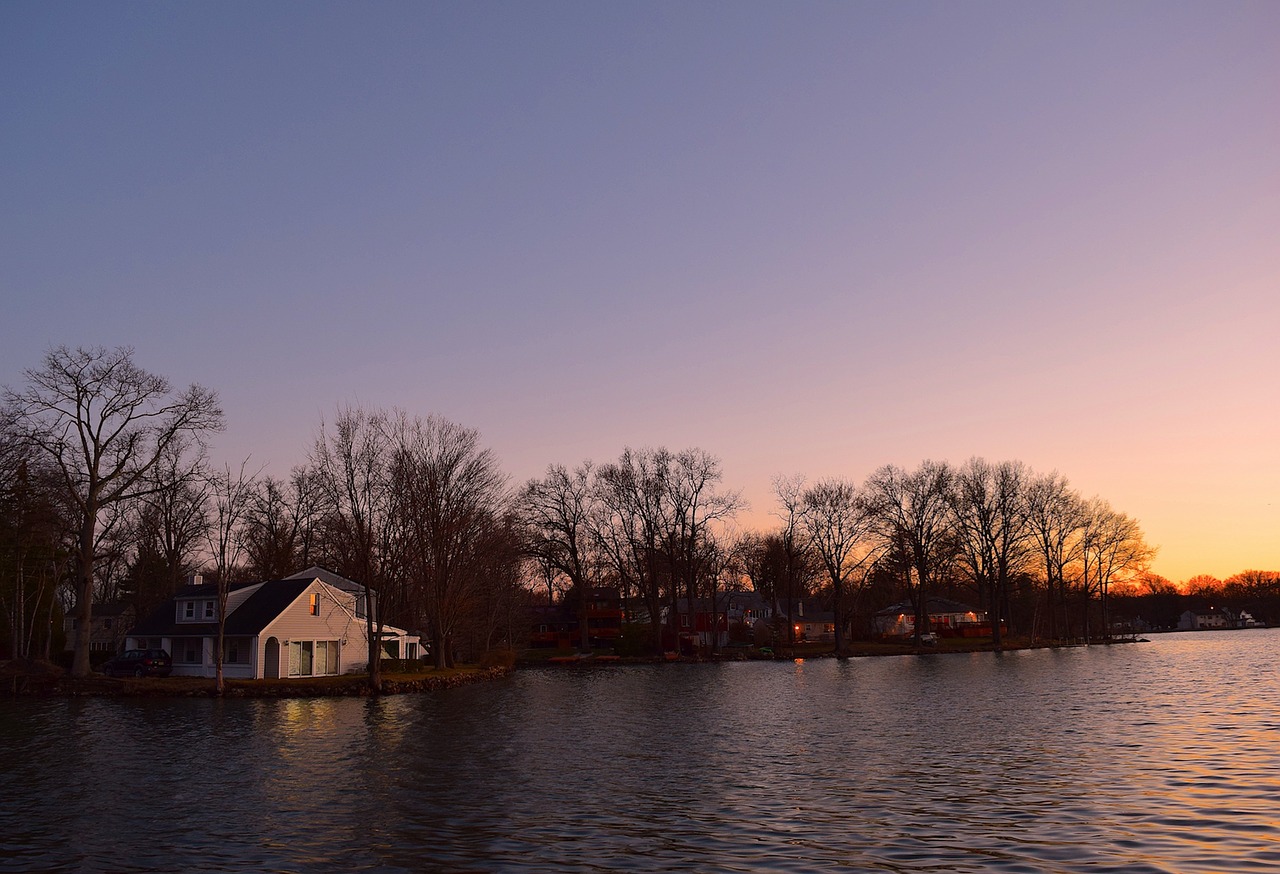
[1162,756]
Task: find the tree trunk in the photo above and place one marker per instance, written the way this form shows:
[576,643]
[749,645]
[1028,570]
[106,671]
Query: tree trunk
[84,595]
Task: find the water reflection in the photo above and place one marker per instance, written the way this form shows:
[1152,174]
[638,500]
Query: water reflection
[1157,757]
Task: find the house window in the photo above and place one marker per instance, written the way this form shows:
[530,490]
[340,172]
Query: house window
[361,610]
[191,652]
[313,658]
[326,657]
[208,609]
[301,656]
[189,609]
[315,604]
[235,651]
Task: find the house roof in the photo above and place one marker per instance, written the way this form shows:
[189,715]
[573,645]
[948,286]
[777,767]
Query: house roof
[934,604]
[250,617]
[328,577]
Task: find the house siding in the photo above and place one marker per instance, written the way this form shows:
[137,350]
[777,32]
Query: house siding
[337,621]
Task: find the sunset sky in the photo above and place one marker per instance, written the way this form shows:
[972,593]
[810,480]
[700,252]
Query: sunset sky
[808,237]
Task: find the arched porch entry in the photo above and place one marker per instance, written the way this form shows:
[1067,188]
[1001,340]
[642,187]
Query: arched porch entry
[271,666]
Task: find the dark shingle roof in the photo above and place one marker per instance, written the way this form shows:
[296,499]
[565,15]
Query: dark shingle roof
[265,605]
[329,578]
[257,611]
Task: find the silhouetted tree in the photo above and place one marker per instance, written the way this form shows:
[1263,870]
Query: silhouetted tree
[105,423]
[558,510]
[449,496]
[836,522]
[913,513]
[994,530]
[229,496]
[351,462]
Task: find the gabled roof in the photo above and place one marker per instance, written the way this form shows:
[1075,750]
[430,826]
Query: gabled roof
[252,616]
[329,578]
[934,603]
[206,590]
[264,605]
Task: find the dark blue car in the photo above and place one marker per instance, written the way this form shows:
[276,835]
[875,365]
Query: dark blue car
[139,663]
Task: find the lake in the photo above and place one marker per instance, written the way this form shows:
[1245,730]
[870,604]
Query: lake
[1160,756]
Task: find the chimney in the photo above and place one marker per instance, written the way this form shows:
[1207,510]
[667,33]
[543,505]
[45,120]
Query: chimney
[195,580]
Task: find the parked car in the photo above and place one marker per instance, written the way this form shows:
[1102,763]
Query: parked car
[139,663]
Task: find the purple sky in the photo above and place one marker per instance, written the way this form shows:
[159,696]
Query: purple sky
[811,238]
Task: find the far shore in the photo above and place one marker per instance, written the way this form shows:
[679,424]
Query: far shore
[44,680]
[857,649]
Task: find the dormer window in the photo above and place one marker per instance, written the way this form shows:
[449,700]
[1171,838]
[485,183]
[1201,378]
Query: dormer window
[189,609]
[208,609]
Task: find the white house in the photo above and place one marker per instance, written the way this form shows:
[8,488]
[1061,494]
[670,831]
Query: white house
[946,617]
[310,625]
[1193,620]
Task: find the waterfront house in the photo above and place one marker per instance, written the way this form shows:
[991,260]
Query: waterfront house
[809,622]
[1195,620]
[560,625]
[1213,617]
[947,618]
[309,625]
[106,629]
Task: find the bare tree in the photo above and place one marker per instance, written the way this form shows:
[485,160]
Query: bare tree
[913,513]
[835,520]
[351,464]
[697,506]
[229,494]
[1055,514]
[170,526]
[789,554]
[557,511]
[33,554]
[279,525]
[633,518]
[105,422]
[1112,545]
[995,531]
[449,493]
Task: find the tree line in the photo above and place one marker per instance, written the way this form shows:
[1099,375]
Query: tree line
[107,493]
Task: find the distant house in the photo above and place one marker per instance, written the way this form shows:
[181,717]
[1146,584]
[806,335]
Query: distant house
[809,622]
[700,624]
[947,618]
[312,624]
[107,628]
[1213,617]
[559,625]
[1196,620]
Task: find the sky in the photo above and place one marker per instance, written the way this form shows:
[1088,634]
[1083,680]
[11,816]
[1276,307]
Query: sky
[811,238]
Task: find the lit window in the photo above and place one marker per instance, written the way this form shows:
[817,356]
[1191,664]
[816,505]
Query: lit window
[315,603]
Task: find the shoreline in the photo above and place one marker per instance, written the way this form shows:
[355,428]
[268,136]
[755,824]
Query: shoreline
[42,680]
[48,683]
